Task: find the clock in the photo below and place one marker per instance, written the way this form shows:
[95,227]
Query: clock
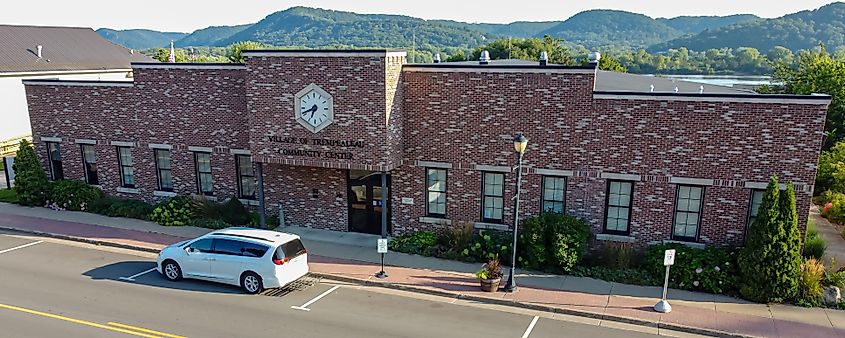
[313,108]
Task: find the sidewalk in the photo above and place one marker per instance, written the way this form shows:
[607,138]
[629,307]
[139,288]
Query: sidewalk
[830,234]
[352,257]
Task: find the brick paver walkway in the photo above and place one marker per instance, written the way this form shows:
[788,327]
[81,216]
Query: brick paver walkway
[726,317]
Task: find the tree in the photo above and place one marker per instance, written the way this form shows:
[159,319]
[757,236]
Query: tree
[817,72]
[235,50]
[459,56]
[830,174]
[771,259]
[163,55]
[781,55]
[527,49]
[31,184]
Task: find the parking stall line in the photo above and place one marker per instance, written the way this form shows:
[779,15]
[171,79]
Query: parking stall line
[530,327]
[132,278]
[141,329]
[304,307]
[20,247]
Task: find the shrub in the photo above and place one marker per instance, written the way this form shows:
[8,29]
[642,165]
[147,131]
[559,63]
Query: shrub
[834,208]
[255,221]
[458,236]
[834,277]
[234,212]
[31,184]
[488,244]
[619,275]
[710,269]
[552,240]
[814,245]
[209,223]
[118,207]
[175,211]
[770,263]
[73,195]
[8,196]
[618,255]
[418,243]
[810,290]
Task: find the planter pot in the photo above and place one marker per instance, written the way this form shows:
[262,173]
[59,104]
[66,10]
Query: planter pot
[490,285]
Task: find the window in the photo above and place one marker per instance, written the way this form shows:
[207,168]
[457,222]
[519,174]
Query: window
[163,173]
[554,194]
[228,247]
[253,250]
[290,249]
[246,177]
[687,212]
[89,163]
[618,207]
[202,162]
[203,245]
[493,199]
[436,192]
[127,172]
[54,152]
[756,200]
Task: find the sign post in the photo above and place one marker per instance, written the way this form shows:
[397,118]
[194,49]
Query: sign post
[668,260]
[382,249]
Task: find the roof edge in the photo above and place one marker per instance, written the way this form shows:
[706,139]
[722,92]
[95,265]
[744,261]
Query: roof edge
[186,65]
[88,83]
[814,99]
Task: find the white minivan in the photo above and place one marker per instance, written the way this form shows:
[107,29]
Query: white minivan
[253,259]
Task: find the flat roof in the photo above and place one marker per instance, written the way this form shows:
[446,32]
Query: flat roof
[625,82]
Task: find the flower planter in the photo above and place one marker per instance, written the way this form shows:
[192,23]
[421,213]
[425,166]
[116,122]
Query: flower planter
[490,285]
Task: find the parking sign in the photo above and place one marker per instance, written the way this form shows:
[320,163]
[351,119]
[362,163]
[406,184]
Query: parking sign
[669,257]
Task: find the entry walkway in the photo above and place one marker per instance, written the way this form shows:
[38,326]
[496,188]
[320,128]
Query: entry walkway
[353,257]
[830,234]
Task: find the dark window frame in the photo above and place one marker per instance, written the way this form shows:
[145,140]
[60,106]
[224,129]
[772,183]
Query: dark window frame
[607,206]
[484,197]
[445,194]
[56,171]
[199,174]
[159,170]
[750,218]
[675,214]
[239,177]
[121,166]
[543,199]
[91,175]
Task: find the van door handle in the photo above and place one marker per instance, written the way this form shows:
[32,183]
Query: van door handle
[210,259]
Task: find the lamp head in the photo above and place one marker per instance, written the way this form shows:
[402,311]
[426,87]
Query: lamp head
[520,143]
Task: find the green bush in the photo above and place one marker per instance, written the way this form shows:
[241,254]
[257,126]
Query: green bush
[418,243]
[119,207]
[634,276]
[176,211]
[209,223]
[31,184]
[814,245]
[552,240]
[621,255]
[770,263]
[8,196]
[810,291]
[234,212]
[488,244]
[73,195]
[711,269]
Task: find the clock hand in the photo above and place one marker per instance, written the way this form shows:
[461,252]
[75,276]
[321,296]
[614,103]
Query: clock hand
[313,110]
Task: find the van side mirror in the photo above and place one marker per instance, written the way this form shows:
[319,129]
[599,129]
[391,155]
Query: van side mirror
[189,250]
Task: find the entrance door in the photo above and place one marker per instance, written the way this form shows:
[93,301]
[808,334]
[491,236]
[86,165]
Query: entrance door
[365,204]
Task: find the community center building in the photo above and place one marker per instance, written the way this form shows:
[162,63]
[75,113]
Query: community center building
[319,136]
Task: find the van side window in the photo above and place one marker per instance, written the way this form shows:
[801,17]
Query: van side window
[228,247]
[203,245]
[254,250]
[290,249]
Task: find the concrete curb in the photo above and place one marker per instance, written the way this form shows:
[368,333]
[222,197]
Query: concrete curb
[389,285]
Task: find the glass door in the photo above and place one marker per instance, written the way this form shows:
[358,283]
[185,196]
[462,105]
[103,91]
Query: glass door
[365,202]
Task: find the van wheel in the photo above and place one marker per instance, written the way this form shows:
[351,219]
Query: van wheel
[171,270]
[251,283]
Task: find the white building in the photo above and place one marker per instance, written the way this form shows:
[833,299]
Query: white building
[68,53]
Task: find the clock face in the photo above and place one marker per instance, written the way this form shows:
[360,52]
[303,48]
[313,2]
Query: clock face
[314,108]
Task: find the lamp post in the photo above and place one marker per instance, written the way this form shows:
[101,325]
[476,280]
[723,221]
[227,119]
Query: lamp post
[519,145]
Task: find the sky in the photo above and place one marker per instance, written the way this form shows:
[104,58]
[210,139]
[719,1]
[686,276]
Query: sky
[189,15]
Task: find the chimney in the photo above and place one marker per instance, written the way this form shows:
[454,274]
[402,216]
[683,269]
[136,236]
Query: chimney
[485,58]
[39,51]
[544,58]
[437,58]
[594,58]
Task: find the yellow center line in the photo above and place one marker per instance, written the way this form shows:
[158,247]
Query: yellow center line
[80,321]
[144,330]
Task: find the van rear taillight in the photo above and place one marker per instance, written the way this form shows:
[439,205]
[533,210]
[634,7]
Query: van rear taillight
[281,261]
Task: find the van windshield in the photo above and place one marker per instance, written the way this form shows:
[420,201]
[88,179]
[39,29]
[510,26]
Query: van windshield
[290,249]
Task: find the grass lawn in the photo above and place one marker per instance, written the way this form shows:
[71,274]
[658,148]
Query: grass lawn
[8,195]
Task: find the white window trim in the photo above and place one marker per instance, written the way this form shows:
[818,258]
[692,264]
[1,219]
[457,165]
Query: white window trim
[128,190]
[435,220]
[690,181]
[621,177]
[615,238]
[240,152]
[433,164]
[554,172]
[160,146]
[490,226]
[122,144]
[51,139]
[85,141]
[164,193]
[201,149]
[493,168]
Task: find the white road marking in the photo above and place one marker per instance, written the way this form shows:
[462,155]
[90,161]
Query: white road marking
[530,327]
[304,307]
[20,247]
[132,278]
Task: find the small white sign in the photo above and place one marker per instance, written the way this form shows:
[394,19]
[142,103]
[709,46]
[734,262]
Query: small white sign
[382,245]
[407,200]
[669,257]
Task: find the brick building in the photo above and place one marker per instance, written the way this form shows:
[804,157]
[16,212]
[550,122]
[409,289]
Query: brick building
[308,135]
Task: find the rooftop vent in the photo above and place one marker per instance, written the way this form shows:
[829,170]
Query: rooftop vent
[676,89]
[39,51]
[652,88]
[594,57]
[437,58]
[544,58]
[485,58]
[701,89]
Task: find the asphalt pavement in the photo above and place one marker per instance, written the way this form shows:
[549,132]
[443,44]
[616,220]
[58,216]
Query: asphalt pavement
[53,288]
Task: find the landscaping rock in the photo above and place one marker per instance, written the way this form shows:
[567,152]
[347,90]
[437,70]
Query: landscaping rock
[832,295]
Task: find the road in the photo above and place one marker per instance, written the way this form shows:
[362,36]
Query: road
[53,288]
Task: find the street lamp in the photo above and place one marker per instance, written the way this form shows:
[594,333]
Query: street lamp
[519,145]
